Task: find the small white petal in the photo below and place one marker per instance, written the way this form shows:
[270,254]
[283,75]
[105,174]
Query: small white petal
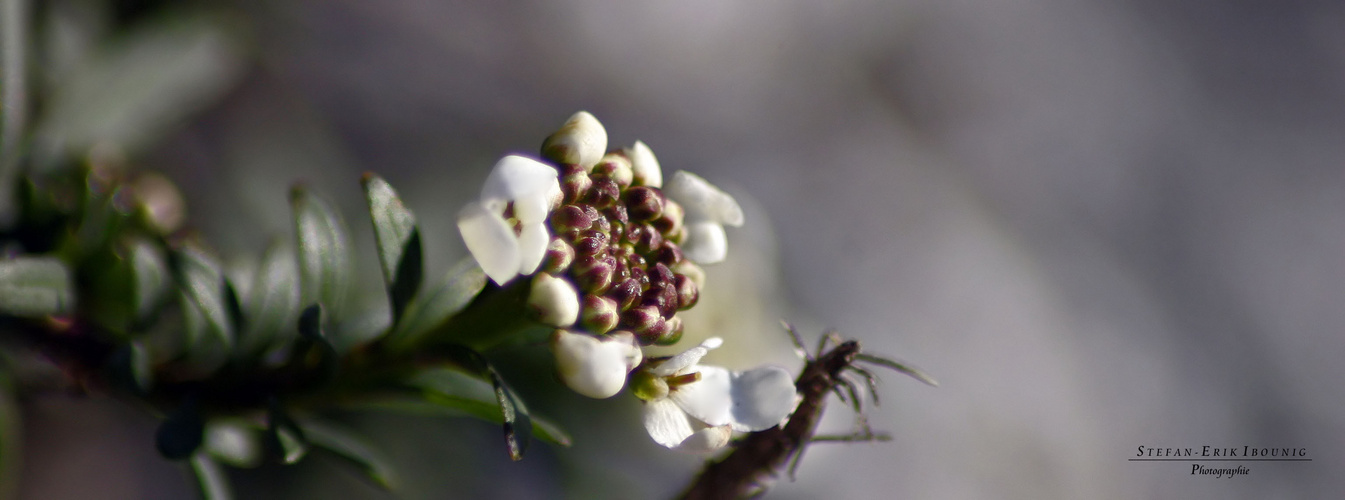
[633,354]
[532,209]
[707,440]
[686,359]
[517,177]
[706,242]
[709,399]
[703,201]
[591,366]
[532,242]
[554,300]
[762,398]
[644,165]
[491,241]
[581,140]
[666,423]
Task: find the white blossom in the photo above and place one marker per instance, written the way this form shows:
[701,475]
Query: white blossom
[695,408]
[707,210]
[581,141]
[507,248]
[553,300]
[595,366]
[644,166]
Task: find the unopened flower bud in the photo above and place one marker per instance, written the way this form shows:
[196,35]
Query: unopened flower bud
[626,293]
[600,314]
[670,221]
[570,218]
[162,204]
[594,275]
[582,140]
[591,243]
[593,366]
[617,214]
[668,253]
[655,332]
[614,166]
[663,296]
[674,333]
[604,193]
[649,241]
[640,318]
[644,166]
[692,271]
[559,256]
[553,301]
[643,203]
[687,292]
[661,274]
[574,183]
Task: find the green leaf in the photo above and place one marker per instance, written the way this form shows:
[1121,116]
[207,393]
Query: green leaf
[899,367]
[456,388]
[34,287]
[273,303]
[151,277]
[325,265]
[399,247]
[354,449]
[140,86]
[205,304]
[210,477]
[430,402]
[234,442]
[286,437]
[440,302]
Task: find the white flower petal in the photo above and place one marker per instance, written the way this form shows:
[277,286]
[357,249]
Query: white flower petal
[762,398]
[704,201]
[707,440]
[686,359]
[633,354]
[516,177]
[709,399]
[591,366]
[644,165]
[532,209]
[706,242]
[491,241]
[581,140]
[532,242]
[666,423]
[554,300]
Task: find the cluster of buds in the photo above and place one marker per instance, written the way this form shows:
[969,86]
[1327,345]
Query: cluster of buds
[618,238]
[607,245]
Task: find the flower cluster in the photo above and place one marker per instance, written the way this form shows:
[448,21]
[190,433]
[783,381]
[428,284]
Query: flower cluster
[614,257]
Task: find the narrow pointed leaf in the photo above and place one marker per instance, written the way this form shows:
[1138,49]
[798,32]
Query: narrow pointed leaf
[439,302]
[205,302]
[151,277]
[35,286]
[211,480]
[352,448]
[273,303]
[457,392]
[399,246]
[513,414]
[325,265]
[287,438]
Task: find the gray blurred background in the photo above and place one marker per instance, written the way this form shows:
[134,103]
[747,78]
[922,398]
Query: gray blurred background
[1100,225]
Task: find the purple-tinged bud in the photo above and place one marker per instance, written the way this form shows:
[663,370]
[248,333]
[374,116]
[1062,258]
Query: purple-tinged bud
[570,218]
[618,213]
[622,272]
[591,243]
[650,240]
[670,221]
[687,292]
[638,274]
[604,193]
[668,253]
[615,166]
[596,276]
[600,223]
[637,261]
[644,203]
[599,314]
[574,184]
[626,293]
[660,274]
[559,256]
[678,236]
[674,333]
[663,296]
[634,233]
[640,318]
[656,331]
[692,271]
